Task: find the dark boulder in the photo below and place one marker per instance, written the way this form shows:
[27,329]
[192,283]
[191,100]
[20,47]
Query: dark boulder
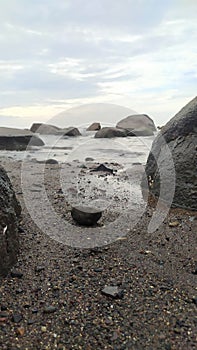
[9,214]
[94,127]
[177,139]
[86,216]
[109,132]
[18,139]
[137,125]
[71,131]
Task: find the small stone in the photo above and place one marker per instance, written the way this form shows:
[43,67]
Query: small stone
[51,161]
[16,274]
[113,292]
[173,224]
[16,318]
[89,159]
[20,331]
[84,215]
[49,309]
[19,291]
[29,322]
[39,268]
[98,269]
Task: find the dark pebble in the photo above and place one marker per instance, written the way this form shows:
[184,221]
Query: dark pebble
[98,269]
[16,274]
[16,318]
[194,299]
[49,309]
[39,268]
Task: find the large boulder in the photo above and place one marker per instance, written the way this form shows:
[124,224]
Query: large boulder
[9,214]
[109,132]
[138,125]
[70,131]
[180,135]
[17,139]
[94,127]
[44,129]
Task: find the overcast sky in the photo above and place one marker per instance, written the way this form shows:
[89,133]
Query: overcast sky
[60,54]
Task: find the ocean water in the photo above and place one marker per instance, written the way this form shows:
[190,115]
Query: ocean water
[125,151]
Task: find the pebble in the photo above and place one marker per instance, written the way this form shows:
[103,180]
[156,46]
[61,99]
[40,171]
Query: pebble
[173,224]
[16,274]
[20,331]
[39,268]
[49,309]
[43,329]
[113,292]
[16,318]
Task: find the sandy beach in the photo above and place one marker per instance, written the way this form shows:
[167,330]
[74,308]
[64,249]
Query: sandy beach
[54,298]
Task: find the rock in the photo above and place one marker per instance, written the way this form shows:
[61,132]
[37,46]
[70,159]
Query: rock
[49,309]
[109,132]
[84,215]
[103,168]
[9,214]
[89,159]
[20,331]
[113,292]
[137,125]
[16,318]
[71,131]
[16,274]
[51,161]
[94,127]
[173,224]
[44,129]
[180,135]
[18,140]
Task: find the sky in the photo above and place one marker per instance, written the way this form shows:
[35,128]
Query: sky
[72,55]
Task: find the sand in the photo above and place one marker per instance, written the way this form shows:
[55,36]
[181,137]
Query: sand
[56,302]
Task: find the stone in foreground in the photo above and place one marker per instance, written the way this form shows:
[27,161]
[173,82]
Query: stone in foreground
[113,291]
[86,216]
[70,131]
[9,213]
[17,139]
[179,136]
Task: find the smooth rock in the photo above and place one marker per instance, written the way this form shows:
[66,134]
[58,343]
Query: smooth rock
[51,161]
[50,309]
[137,125]
[109,132]
[178,138]
[85,215]
[44,129]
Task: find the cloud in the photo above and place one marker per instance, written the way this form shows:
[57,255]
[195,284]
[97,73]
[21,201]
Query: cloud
[58,54]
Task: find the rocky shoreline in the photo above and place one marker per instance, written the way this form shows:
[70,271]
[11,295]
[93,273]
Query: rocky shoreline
[56,298]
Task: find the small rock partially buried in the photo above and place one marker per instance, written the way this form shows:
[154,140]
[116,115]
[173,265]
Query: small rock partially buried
[85,215]
[113,291]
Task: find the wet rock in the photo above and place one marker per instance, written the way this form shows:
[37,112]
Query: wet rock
[109,132]
[113,291]
[103,168]
[85,215]
[94,127]
[9,215]
[18,140]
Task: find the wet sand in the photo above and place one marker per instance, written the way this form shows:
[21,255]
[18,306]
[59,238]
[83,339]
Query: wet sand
[58,302]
